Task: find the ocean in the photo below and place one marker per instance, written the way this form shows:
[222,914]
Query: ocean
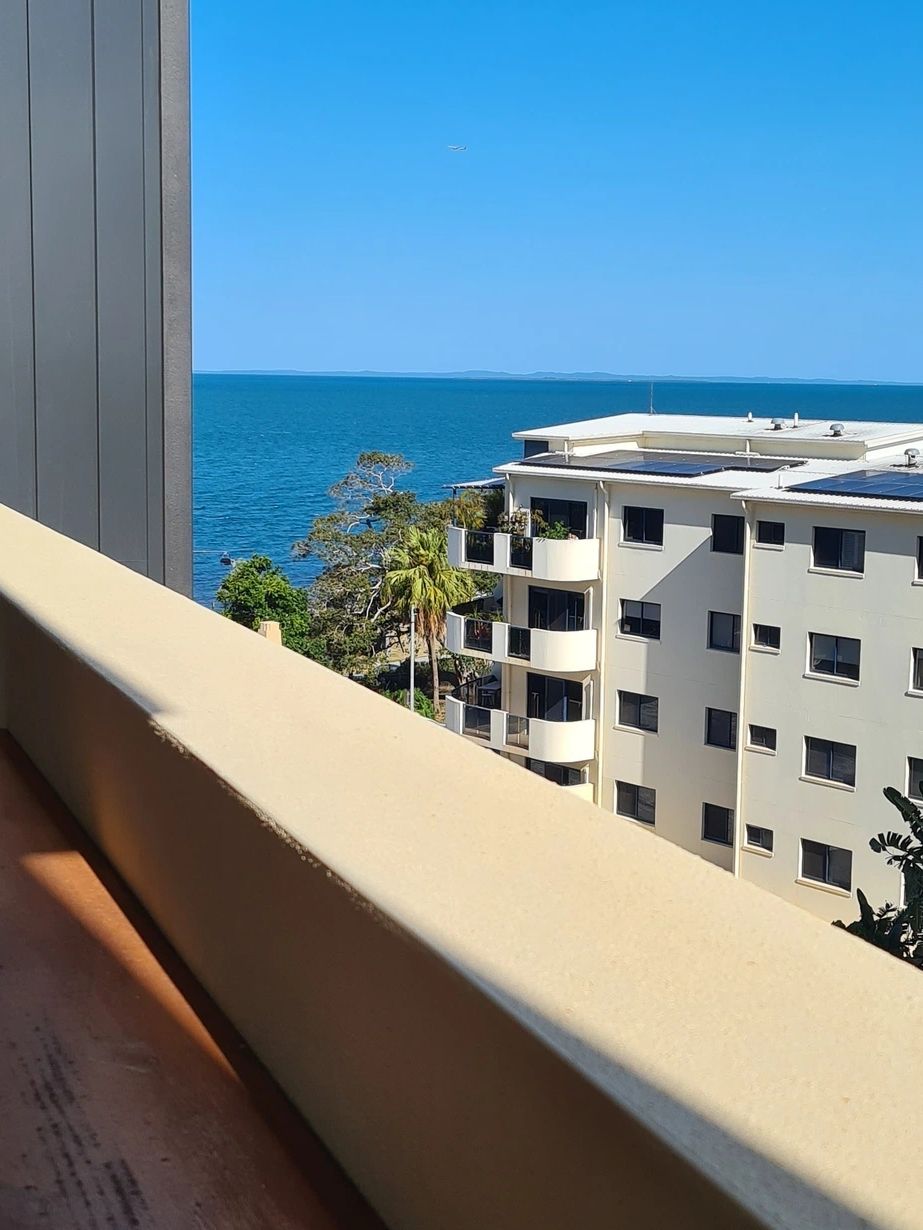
[268,447]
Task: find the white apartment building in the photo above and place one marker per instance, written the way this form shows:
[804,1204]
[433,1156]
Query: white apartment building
[722,640]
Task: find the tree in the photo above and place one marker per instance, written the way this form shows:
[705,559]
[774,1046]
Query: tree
[418,575]
[897,930]
[255,589]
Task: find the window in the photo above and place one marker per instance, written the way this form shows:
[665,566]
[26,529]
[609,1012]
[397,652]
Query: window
[914,778]
[561,775]
[641,619]
[727,534]
[558,610]
[554,700]
[724,631]
[717,824]
[920,559]
[770,533]
[829,761]
[534,448]
[721,728]
[636,802]
[916,677]
[834,655]
[763,736]
[642,525]
[826,864]
[569,513]
[767,636]
[639,711]
[759,838]
[842,550]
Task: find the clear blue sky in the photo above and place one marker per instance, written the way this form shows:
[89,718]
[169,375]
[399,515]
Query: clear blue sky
[649,187]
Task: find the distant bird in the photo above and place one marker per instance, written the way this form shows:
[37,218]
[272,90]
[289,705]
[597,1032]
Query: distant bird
[457,149]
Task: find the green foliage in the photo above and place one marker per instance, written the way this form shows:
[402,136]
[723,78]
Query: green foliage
[557,530]
[418,574]
[255,590]
[421,702]
[897,930]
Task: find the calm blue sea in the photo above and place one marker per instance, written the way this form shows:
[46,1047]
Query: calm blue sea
[267,448]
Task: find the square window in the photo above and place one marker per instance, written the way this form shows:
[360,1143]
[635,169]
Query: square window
[636,802]
[721,728]
[840,550]
[763,736]
[724,631]
[767,636]
[639,711]
[717,824]
[640,619]
[642,525]
[826,864]
[916,677]
[727,534]
[759,838]
[914,778]
[834,655]
[830,761]
[770,533]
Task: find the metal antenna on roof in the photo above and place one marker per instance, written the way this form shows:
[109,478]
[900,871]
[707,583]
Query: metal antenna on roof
[650,405]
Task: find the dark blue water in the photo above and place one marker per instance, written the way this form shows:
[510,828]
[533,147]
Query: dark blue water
[267,448]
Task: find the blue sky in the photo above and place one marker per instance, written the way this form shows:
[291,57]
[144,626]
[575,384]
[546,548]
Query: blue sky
[653,187]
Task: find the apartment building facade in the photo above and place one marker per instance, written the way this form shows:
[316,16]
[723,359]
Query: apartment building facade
[721,640]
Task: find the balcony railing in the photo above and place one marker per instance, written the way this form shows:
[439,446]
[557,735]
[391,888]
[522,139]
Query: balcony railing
[479,635]
[517,731]
[376,906]
[519,642]
[477,722]
[546,559]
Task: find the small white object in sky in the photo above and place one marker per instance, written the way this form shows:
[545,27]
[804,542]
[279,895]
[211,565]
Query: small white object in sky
[458,149]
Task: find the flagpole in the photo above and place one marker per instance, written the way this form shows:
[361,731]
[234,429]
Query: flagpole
[413,658]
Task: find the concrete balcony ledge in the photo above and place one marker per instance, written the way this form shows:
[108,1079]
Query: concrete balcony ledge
[498,1005]
[552,559]
[541,648]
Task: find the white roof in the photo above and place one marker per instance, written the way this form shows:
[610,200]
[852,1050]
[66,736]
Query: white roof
[739,427]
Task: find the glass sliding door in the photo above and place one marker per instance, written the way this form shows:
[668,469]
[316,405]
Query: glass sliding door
[557,610]
[554,700]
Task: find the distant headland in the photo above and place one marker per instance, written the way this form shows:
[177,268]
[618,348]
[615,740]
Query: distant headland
[572,377]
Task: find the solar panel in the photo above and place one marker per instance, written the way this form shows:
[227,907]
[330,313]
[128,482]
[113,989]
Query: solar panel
[663,465]
[903,484]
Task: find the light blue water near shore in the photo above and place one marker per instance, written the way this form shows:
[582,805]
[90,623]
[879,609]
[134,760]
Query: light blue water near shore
[267,448]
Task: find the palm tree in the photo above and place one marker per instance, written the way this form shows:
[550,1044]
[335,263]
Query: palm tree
[418,574]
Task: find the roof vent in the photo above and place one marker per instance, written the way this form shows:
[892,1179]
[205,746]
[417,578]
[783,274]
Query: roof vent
[836,429]
[796,419]
[749,416]
[912,455]
[778,424]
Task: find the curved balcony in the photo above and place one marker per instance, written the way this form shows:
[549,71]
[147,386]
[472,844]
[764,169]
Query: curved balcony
[559,742]
[540,648]
[545,559]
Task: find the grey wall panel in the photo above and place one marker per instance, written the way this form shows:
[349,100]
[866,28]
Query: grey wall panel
[95,347]
[17,393]
[153,234]
[64,265]
[120,282]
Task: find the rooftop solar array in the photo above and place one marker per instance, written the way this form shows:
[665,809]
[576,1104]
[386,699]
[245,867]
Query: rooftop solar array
[665,465]
[905,483]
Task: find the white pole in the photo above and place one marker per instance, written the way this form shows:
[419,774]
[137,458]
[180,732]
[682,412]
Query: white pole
[413,657]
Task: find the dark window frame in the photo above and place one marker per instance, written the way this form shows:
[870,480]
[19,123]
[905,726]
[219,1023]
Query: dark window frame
[644,705]
[829,749]
[767,644]
[641,618]
[837,655]
[727,534]
[768,746]
[770,533]
[759,842]
[830,865]
[913,775]
[640,515]
[644,799]
[573,514]
[834,541]
[734,646]
[916,669]
[716,813]
[721,728]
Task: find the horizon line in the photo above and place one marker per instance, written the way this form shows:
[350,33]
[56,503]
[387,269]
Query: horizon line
[564,377]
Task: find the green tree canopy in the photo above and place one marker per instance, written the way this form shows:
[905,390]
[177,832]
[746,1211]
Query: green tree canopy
[255,589]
